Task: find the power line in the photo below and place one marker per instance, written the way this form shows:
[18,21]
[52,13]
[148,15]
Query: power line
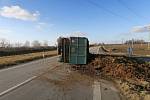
[107,10]
[131,10]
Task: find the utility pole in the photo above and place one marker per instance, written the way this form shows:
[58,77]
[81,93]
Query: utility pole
[132,46]
[122,41]
[132,43]
[149,42]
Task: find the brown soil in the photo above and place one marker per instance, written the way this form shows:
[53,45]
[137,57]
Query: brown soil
[132,76]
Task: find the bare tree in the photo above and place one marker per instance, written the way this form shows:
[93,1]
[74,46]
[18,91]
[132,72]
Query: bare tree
[18,44]
[45,43]
[27,44]
[9,45]
[36,43]
[3,43]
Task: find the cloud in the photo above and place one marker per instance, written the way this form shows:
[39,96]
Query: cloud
[42,23]
[42,26]
[4,31]
[141,29]
[17,12]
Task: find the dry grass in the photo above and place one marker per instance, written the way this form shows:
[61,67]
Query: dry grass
[15,59]
[138,48]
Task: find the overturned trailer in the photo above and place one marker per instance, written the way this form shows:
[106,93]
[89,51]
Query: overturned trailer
[63,49]
[73,50]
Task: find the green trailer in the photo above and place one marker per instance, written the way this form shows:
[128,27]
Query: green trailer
[78,50]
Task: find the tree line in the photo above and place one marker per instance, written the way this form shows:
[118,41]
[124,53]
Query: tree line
[135,41]
[6,44]
[7,48]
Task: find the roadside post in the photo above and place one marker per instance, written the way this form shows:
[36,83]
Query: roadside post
[43,57]
[43,54]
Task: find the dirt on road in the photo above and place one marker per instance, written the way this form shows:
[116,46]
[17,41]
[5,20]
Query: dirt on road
[69,84]
[131,75]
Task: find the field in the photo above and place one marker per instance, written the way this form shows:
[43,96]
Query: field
[131,75]
[138,49]
[6,61]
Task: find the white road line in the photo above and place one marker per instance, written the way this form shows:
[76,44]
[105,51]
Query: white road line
[16,86]
[19,85]
[97,91]
[24,64]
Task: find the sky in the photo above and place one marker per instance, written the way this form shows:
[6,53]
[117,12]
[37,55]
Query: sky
[109,21]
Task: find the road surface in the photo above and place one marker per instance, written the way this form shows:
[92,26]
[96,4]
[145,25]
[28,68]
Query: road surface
[47,79]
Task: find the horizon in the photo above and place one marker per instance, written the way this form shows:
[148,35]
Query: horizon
[100,21]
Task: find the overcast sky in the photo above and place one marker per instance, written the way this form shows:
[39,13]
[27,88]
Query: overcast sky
[99,20]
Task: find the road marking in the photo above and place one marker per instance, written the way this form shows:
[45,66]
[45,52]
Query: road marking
[23,83]
[24,64]
[17,86]
[97,91]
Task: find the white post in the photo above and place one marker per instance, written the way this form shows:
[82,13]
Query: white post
[43,54]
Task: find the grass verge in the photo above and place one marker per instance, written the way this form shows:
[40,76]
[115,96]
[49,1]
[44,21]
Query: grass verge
[7,61]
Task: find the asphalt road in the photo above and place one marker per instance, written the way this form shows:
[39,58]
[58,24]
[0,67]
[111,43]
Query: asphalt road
[13,75]
[47,79]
